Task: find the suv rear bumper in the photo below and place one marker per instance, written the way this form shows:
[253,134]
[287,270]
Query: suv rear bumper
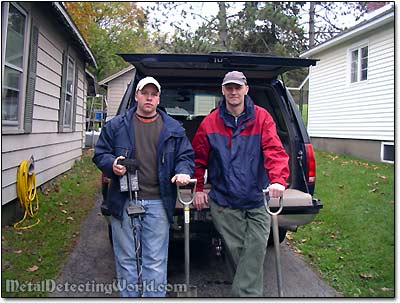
[292,217]
[299,208]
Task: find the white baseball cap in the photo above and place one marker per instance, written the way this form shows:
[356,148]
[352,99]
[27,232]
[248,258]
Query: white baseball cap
[148,80]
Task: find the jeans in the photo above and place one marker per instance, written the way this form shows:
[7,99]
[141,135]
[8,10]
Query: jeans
[245,234]
[153,231]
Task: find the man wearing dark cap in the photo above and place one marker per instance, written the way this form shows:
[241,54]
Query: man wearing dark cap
[164,156]
[239,146]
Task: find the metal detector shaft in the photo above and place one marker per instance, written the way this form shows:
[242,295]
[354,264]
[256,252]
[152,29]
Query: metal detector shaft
[275,231]
[136,239]
[138,259]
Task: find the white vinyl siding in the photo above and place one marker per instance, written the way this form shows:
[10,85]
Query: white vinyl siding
[115,91]
[203,104]
[80,122]
[360,110]
[54,152]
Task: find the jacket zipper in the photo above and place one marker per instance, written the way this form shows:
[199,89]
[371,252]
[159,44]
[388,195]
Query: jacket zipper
[163,153]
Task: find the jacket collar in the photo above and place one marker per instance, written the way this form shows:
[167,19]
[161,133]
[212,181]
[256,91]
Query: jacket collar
[229,119]
[170,125]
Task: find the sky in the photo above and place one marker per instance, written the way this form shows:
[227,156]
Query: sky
[208,9]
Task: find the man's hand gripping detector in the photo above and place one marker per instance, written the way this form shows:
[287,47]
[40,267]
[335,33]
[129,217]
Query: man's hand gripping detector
[134,209]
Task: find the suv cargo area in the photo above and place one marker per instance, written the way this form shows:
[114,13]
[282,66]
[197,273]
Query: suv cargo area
[191,89]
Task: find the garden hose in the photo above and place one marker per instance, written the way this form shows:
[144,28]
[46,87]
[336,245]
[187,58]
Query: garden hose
[26,192]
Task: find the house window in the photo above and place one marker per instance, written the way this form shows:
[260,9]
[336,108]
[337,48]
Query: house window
[387,152]
[69,93]
[14,69]
[359,64]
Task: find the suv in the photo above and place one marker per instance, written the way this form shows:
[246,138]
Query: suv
[191,89]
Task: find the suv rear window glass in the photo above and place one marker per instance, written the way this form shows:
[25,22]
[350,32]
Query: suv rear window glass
[185,104]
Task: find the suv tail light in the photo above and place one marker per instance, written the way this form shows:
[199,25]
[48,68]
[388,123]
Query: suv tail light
[310,160]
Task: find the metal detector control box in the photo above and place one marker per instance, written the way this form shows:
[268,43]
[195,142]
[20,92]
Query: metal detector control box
[131,167]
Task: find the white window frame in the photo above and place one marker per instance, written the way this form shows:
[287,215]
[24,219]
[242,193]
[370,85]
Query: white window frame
[68,124]
[9,125]
[383,150]
[358,48]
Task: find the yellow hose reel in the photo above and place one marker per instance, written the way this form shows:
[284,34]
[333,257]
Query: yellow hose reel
[26,192]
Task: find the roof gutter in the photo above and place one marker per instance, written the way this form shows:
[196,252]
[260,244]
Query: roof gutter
[357,30]
[75,30]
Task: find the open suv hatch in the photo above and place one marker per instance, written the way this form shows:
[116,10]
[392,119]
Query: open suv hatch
[191,88]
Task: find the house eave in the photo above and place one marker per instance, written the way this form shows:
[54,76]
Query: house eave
[116,75]
[66,19]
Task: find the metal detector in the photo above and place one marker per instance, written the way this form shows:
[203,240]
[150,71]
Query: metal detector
[134,211]
[191,290]
[275,231]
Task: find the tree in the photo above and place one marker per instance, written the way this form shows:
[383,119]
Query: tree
[222,25]
[268,27]
[111,28]
[326,18]
[260,27]
[311,30]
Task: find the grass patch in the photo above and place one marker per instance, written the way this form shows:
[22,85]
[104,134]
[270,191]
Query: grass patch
[304,113]
[351,241]
[37,254]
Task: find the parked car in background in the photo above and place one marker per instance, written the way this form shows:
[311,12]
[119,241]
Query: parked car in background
[191,88]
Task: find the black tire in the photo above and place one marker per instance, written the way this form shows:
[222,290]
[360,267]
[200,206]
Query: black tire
[282,236]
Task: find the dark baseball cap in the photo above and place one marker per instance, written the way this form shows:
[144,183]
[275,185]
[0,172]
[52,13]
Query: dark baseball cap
[235,77]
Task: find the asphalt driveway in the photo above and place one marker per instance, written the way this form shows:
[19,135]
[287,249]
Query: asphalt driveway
[89,270]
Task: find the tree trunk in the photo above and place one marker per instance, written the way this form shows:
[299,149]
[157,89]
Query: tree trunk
[311,29]
[222,27]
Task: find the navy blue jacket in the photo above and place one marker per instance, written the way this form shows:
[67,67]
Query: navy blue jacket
[174,156]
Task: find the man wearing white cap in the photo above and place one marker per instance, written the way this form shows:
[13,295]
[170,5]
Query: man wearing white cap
[239,145]
[164,157]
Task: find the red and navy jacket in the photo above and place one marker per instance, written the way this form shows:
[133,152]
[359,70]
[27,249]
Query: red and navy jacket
[243,155]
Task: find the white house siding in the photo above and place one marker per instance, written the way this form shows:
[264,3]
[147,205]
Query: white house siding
[82,114]
[115,91]
[54,152]
[362,110]
[80,102]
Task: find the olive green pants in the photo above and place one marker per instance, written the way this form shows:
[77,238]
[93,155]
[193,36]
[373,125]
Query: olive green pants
[245,234]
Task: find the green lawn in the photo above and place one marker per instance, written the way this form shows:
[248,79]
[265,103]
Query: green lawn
[351,242]
[304,113]
[36,254]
